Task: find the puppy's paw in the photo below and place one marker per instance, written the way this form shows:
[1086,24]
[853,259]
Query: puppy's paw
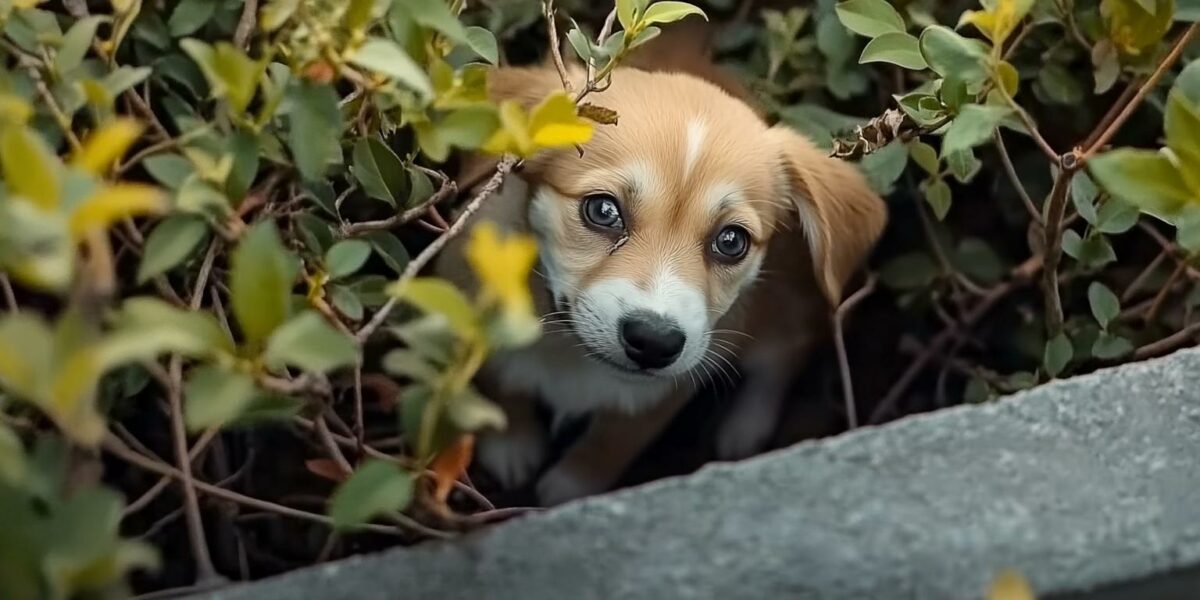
[562,483]
[512,457]
[747,429]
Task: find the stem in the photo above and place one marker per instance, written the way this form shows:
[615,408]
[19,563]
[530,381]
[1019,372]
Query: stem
[1053,217]
[839,316]
[1011,171]
[1143,91]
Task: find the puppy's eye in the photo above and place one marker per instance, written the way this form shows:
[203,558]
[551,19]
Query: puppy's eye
[730,244]
[602,211]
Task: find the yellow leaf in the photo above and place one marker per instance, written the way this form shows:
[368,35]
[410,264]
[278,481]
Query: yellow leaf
[556,124]
[72,399]
[1132,29]
[1008,78]
[502,267]
[30,168]
[105,145]
[26,3]
[449,464]
[14,109]
[998,22]
[115,202]
[1010,585]
[513,135]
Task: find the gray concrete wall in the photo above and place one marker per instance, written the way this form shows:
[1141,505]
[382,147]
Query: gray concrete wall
[1077,484]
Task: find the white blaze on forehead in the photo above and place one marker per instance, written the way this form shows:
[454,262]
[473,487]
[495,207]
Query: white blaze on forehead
[641,177]
[696,130]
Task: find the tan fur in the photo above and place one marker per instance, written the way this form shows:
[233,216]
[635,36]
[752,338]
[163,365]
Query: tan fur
[812,221]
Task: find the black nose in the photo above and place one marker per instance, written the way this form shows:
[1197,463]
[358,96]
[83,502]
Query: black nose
[650,340]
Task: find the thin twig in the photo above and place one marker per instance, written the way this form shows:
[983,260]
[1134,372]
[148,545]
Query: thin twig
[114,446]
[1011,170]
[10,298]
[839,316]
[1020,275]
[555,47]
[416,264]
[205,571]
[1179,339]
[448,189]
[1150,83]
[246,23]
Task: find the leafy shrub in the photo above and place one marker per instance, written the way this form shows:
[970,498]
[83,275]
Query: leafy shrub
[214,216]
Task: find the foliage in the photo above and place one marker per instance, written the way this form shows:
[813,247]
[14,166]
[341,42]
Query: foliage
[203,233]
[214,219]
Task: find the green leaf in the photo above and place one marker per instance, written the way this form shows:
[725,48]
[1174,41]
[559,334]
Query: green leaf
[924,155]
[346,301]
[1092,252]
[963,165]
[937,194]
[380,171]
[1083,196]
[230,72]
[169,169]
[1059,352]
[389,248]
[76,43]
[976,259]
[468,128]
[629,11]
[1143,178]
[1182,125]
[483,43]
[1109,346]
[308,342]
[346,258]
[1104,303]
[1187,11]
[911,271]
[1106,66]
[314,231]
[870,18]
[897,48]
[1187,224]
[429,335]
[409,364]
[1116,217]
[199,197]
[669,12]
[974,125]
[261,282]
[580,43]
[316,125]
[952,55]
[190,15]
[471,412]
[171,242]
[124,78]
[1059,85]
[376,488]
[436,15]
[216,395]
[243,147]
[388,58]
[1188,80]
[192,333]
[884,166]
[438,296]
[26,354]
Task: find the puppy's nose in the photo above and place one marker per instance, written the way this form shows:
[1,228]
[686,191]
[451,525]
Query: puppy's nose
[652,341]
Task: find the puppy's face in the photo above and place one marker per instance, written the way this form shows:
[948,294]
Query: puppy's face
[651,236]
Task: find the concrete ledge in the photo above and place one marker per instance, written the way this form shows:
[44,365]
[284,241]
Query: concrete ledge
[1078,484]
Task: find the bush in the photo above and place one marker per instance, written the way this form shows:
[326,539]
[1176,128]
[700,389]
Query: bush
[215,215]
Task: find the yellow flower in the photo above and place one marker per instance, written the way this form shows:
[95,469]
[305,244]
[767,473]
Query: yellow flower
[503,266]
[553,124]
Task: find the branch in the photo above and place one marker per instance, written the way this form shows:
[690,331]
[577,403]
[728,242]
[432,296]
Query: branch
[416,264]
[1011,171]
[1164,66]
[1053,216]
[555,48]
[448,189]
[246,23]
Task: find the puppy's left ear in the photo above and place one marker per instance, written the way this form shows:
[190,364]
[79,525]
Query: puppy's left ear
[841,217]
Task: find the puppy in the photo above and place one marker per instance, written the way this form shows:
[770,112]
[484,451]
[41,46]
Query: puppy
[690,241]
